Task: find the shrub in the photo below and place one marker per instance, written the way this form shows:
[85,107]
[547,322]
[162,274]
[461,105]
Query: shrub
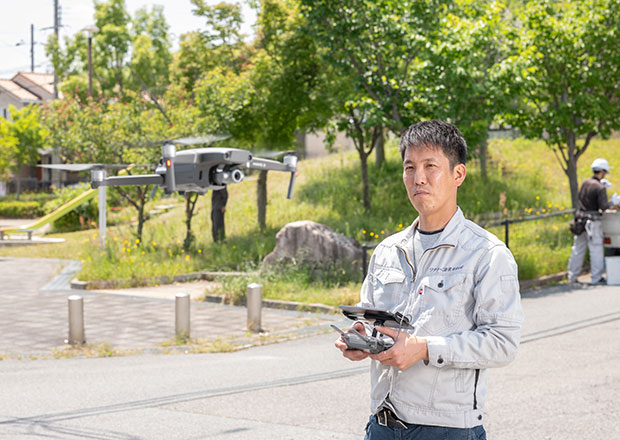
[20,209]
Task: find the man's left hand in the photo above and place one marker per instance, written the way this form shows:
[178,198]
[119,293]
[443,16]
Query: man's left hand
[406,351]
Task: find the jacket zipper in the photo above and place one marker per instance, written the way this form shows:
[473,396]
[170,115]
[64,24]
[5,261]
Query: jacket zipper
[408,261]
[475,388]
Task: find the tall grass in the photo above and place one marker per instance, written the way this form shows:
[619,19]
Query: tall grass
[523,178]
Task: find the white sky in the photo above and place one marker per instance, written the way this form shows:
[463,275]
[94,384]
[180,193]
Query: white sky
[16,16]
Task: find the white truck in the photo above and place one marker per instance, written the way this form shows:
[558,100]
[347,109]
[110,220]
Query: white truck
[611,232]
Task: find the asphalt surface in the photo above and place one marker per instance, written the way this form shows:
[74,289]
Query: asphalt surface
[564,383]
[34,307]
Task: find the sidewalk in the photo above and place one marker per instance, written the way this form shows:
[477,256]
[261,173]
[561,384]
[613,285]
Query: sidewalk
[33,304]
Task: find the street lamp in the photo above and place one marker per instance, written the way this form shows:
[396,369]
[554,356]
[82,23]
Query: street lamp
[91,31]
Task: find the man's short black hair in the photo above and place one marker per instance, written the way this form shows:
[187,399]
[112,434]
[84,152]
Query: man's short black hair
[436,134]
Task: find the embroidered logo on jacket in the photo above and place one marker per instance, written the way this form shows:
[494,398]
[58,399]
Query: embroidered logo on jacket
[445,269]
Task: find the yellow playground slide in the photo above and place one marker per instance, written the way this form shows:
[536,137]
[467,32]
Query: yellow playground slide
[54,215]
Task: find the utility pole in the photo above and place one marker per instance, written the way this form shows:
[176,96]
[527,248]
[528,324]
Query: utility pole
[56,25]
[32,48]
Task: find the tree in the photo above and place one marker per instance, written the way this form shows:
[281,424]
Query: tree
[379,47]
[468,72]
[567,76]
[264,93]
[111,45]
[21,137]
[150,55]
[101,132]
[127,54]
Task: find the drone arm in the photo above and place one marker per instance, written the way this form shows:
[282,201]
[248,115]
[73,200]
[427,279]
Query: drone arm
[258,163]
[147,179]
[289,164]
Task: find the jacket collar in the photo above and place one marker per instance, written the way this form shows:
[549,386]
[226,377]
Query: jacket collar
[449,236]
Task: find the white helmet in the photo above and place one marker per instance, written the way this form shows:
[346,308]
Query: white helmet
[600,164]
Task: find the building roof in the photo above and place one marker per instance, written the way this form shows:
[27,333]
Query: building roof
[43,80]
[18,91]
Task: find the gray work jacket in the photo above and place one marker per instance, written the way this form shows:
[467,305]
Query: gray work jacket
[464,300]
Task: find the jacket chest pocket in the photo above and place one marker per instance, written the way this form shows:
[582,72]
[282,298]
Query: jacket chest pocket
[390,288]
[442,304]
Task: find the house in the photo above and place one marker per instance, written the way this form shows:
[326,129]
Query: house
[27,88]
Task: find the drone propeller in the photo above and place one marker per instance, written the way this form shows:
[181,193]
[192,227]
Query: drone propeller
[197,140]
[207,139]
[85,166]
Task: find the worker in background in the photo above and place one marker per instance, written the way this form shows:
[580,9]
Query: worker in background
[218,208]
[592,203]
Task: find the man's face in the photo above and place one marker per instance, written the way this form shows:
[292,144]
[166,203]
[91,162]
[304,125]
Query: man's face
[431,184]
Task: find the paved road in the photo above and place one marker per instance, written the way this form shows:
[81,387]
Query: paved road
[34,311]
[563,385]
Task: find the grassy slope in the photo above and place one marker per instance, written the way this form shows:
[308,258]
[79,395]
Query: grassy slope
[523,177]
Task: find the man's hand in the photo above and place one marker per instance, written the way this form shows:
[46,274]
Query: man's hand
[353,355]
[406,351]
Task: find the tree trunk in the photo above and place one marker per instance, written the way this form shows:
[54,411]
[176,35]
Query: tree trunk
[483,153]
[570,159]
[190,204]
[261,199]
[380,146]
[573,180]
[140,222]
[142,191]
[365,184]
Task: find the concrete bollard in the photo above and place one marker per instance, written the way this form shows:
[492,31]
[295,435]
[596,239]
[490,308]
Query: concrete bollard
[181,316]
[255,304]
[76,320]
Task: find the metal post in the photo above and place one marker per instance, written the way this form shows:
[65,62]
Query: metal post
[90,65]
[181,316]
[255,304]
[102,212]
[76,320]
[56,26]
[32,48]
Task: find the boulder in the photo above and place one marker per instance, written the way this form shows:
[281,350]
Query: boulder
[313,242]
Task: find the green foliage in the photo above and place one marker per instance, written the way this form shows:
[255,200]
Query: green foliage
[82,217]
[150,55]
[467,75]
[20,138]
[127,54]
[522,175]
[567,70]
[279,280]
[20,209]
[379,46]
[39,197]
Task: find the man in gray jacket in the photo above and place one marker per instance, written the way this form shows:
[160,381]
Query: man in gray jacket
[457,284]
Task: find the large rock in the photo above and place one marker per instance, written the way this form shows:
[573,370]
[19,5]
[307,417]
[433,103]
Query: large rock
[313,242]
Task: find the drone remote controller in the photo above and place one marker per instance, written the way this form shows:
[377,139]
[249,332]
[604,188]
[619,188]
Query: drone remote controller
[369,344]
[376,343]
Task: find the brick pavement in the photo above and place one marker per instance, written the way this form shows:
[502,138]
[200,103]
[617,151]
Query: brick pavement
[33,314]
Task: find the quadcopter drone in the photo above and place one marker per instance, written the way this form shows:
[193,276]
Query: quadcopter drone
[194,170]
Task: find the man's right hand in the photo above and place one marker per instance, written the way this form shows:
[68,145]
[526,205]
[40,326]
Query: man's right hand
[353,355]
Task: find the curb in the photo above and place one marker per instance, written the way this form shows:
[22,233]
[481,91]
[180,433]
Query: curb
[524,286]
[280,304]
[183,278]
[535,283]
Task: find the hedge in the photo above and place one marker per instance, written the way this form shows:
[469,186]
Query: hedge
[20,209]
